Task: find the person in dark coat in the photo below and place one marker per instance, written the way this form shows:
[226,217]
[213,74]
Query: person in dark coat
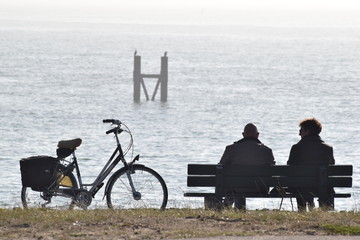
[311,150]
[248,151]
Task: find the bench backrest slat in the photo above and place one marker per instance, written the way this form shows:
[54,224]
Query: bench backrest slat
[340,170]
[203,181]
[304,182]
[254,182]
[202,169]
[340,181]
[210,169]
[301,171]
[204,175]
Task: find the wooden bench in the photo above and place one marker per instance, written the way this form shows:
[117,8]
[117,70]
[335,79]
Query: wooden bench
[279,177]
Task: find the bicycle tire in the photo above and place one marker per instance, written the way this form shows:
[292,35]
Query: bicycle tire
[147,182]
[35,199]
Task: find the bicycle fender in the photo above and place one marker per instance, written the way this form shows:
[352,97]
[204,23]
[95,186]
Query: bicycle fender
[123,169]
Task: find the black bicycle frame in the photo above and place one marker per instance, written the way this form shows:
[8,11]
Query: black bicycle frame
[115,158]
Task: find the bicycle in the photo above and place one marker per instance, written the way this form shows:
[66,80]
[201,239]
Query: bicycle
[132,186]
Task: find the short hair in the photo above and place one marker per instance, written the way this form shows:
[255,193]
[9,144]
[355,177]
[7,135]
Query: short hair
[250,130]
[311,124]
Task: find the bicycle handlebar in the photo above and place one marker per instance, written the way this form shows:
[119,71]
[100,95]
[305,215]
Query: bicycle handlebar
[111,131]
[113,121]
[116,129]
[119,130]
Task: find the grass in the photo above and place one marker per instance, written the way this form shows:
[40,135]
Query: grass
[171,223]
[342,230]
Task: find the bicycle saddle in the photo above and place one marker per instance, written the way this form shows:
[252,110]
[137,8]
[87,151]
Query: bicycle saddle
[71,144]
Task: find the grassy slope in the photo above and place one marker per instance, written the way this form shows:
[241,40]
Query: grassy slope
[171,223]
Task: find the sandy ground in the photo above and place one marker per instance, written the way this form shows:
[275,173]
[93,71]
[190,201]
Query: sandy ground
[172,224]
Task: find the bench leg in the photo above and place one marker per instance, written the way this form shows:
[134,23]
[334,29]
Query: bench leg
[240,203]
[303,202]
[212,203]
[327,204]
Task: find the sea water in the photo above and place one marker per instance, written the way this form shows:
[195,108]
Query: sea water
[58,80]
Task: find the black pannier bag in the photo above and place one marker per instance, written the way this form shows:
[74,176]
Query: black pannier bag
[38,172]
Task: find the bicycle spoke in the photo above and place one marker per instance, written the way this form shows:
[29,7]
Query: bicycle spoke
[36,199]
[146,182]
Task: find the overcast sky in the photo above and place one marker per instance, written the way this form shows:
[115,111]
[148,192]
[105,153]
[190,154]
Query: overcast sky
[185,11]
[267,4]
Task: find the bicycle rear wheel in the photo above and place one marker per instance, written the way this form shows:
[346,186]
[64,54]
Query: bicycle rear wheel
[150,189]
[46,199]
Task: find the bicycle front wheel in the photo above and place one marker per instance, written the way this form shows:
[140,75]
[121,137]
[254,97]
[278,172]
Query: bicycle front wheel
[150,190]
[49,199]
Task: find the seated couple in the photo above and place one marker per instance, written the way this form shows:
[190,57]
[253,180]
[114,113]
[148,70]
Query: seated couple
[249,151]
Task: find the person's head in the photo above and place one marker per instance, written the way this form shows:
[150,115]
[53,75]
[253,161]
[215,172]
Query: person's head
[309,126]
[250,130]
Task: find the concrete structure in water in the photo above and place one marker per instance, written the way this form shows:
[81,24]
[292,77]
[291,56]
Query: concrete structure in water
[162,79]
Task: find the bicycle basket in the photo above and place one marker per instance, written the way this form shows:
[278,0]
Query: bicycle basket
[38,172]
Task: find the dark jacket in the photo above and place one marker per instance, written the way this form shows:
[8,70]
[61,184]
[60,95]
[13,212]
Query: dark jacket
[248,151]
[311,150]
